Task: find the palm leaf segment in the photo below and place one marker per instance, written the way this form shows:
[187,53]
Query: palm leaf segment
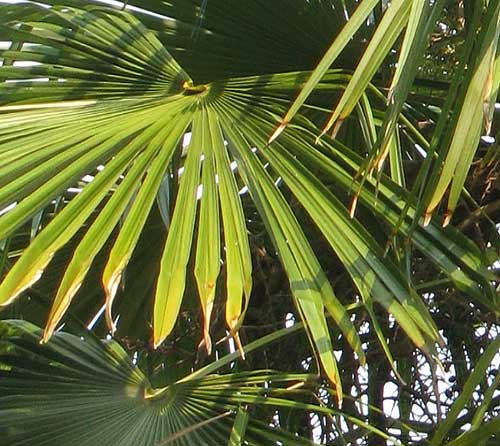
[105,95]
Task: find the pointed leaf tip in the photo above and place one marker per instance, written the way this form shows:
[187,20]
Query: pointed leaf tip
[354,203]
[239,345]
[447,219]
[59,308]
[206,326]
[47,334]
[110,288]
[157,343]
[208,342]
[109,320]
[427,218]
[336,127]
[277,132]
[339,394]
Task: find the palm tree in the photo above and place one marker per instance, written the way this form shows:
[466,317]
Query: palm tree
[174,176]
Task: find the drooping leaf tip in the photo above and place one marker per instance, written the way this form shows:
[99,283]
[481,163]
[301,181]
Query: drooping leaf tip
[47,334]
[488,123]
[354,203]
[207,313]
[157,343]
[110,288]
[208,341]
[339,395]
[239,345]
[447,219]
[427,218]
[109,320]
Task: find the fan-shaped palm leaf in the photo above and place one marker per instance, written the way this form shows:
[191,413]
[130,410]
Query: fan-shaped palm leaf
[53,393]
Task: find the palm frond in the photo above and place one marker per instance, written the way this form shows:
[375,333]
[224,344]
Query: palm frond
[52,393]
